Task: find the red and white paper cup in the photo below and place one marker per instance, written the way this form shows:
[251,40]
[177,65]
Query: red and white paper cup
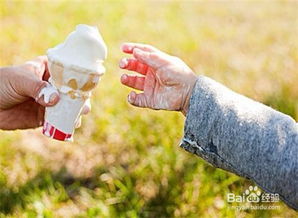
[60,120]
[51,131]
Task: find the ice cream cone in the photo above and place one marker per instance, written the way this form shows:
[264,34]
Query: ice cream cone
[74,76]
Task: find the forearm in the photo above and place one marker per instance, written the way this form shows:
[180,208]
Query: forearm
[243,136]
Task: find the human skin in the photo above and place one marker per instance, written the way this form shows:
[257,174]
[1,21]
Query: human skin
[21,107]
[166,81]
[230,131]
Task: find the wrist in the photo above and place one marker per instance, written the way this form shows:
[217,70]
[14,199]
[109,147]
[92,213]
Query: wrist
[190,87]
[185,106]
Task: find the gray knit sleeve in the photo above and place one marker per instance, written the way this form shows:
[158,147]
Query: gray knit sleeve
[240,135]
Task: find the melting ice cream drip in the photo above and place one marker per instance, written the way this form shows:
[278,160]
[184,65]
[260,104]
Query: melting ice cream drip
[46,92]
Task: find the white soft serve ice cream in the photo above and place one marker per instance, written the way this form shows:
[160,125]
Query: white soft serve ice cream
[83,47]
[83,52]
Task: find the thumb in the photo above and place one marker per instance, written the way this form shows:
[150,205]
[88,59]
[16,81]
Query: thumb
[152,59]
[43,93]
[138,100]
[47,95]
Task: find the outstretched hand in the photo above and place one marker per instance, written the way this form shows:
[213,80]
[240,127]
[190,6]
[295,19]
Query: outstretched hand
[166,81]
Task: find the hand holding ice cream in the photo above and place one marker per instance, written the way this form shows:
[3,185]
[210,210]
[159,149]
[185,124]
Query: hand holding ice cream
[23,96]
[62,84]
[20,104]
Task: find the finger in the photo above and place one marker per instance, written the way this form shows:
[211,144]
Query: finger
[40,115]
[26,115]
[128,47]
[31,113]
[78,122]
[47,95]
[152,59]
[31,84]
[46,74]
[133,65]
[43,70]
[138,100]
[136,82]
[40,66]
[86,108]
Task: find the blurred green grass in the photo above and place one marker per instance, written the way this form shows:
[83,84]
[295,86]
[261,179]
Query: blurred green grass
[125,161]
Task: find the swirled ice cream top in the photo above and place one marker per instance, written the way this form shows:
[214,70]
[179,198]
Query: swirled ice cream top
[83,48]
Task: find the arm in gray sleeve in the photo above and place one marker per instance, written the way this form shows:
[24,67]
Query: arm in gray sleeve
[245,137]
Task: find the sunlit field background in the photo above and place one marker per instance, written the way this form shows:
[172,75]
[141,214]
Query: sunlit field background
[126,161]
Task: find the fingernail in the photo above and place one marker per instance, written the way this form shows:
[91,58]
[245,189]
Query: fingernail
[128,99]
[126,47]
[85,110]
[123,78]
[131,97]
[53,98]
[123,63]
[122,47]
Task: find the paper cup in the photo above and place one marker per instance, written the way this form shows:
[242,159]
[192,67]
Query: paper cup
[74,85]
[60,119]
